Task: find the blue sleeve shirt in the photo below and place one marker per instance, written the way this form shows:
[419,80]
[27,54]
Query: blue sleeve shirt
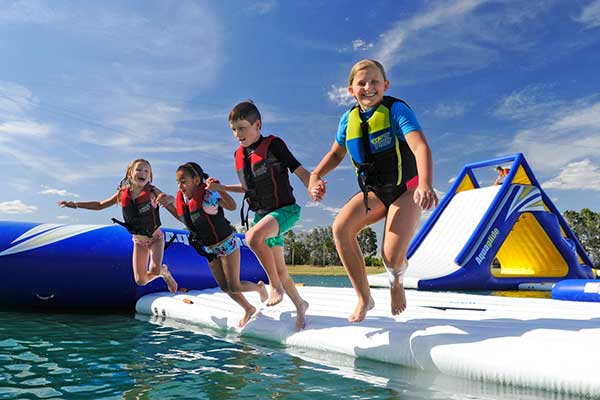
[402,119]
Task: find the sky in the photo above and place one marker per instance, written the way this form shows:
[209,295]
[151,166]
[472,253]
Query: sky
[86,87]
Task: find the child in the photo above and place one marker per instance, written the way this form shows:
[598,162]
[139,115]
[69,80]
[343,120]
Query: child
[262,164]
[394,168]
[137,196]
[502,174]
[201,209]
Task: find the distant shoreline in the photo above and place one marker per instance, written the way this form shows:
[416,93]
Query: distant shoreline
[330,270]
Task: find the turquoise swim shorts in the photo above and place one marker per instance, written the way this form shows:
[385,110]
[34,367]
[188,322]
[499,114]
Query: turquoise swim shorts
[286,217]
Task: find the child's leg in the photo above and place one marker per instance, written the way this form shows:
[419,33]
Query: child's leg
[290,286]
[400,224]
[255,237]
[140,256]
[350,220]
[157,250]
[216,267]
[231,268]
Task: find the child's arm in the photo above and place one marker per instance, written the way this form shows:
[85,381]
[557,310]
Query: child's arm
[217,187]
[90,205]
[168,201]
[424,194]
[226,201]
[303,174]
[316,186]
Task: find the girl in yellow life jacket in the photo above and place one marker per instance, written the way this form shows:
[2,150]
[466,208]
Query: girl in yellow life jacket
[394,169]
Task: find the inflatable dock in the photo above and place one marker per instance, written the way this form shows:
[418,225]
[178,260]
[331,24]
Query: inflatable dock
[494,238]
[535,343]
[87,267]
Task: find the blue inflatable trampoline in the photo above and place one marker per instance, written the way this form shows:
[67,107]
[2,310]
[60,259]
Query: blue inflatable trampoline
[58,266]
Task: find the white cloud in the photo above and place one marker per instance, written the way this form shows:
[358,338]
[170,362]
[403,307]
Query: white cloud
[15,101]
[340,96]
[57,192]
[331,210]
[16,207]
[583,175]
[25,128]
[590,15]
[531,102]
[555,132]
[361,45]
[450,110]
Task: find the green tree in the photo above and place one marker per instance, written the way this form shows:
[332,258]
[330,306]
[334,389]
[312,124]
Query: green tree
[321,247]
[586,227]
[367,239]
[295,248]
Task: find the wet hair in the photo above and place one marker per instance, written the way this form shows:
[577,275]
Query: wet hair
[364,64]
[499,168]
[246,110]
[193,170]
[126,181]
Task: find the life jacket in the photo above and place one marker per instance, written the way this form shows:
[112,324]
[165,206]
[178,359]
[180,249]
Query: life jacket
[505,171]
[140,215]
[380,158]
[205,229]
[264,178]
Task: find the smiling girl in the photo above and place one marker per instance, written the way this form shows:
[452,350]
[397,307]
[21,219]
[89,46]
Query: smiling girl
[138,198]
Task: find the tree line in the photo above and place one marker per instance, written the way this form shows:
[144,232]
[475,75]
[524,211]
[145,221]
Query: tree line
[318,248]
[585,224]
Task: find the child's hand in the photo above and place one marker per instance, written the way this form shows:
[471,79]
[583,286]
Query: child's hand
[165,199]
[214,185]
[316,188]
[68,204]
[425,197]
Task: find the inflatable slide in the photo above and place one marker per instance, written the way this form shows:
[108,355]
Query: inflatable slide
[494,238]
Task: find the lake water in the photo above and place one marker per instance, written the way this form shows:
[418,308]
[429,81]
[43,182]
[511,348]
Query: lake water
[123,356]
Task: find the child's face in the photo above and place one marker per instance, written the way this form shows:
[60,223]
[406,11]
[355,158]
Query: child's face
[141,174]
[186,183]
[245,132]
[368,87]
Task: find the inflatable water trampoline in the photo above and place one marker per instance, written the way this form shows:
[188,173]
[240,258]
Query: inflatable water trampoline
[88,267]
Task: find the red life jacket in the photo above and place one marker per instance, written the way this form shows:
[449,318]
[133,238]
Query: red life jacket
[264,178]
[141,217]
[205,229]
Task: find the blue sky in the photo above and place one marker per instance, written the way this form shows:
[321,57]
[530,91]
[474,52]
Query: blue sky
[85,87]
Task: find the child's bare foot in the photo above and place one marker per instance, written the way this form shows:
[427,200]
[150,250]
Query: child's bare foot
[300,318]
[249,313]
[398,297]
[262,291]
[276,296]
[360,312]
[166,274]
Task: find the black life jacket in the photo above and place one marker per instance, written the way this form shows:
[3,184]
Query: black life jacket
[264,178]
[140,215]
[205,229]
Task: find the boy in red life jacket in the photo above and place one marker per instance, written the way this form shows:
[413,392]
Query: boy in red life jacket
[262,164]
[502,174]
[138,198]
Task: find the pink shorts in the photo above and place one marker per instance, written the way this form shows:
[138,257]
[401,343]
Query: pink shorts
[146,241]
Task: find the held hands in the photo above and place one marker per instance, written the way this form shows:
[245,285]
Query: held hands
[214,185]
[425,197]
[316,187]
[165,199]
